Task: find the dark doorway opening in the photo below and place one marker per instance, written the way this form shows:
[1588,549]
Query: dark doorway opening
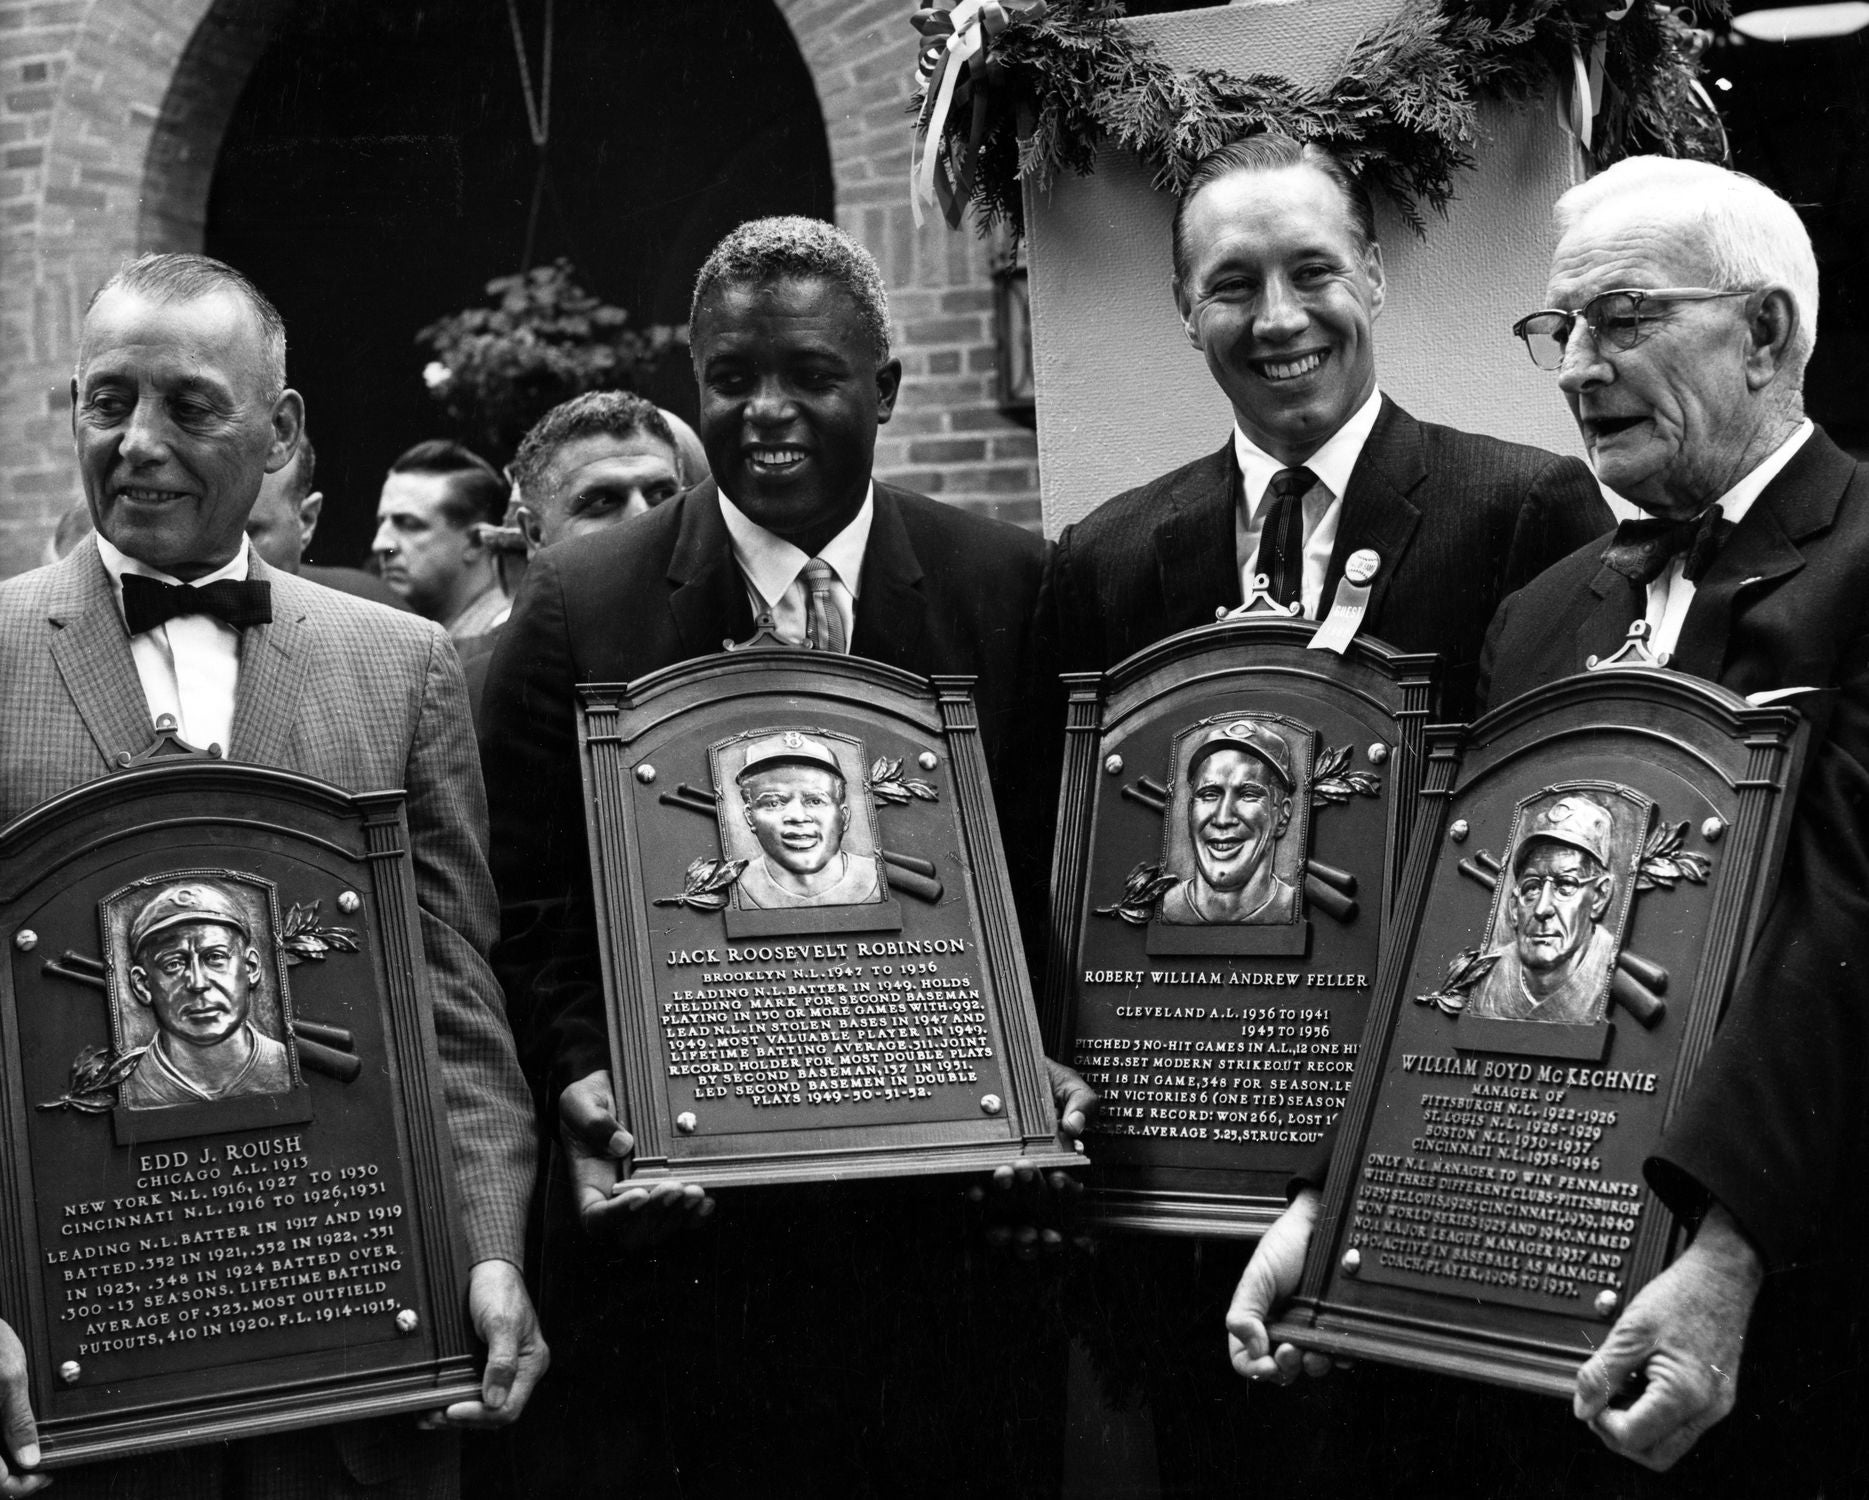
[380,169]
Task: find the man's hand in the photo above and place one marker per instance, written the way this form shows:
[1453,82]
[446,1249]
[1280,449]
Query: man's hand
[1685,1331]
[594,1142]
[1033,1210]
[18,1431]
[1271,1276]
[516,1352]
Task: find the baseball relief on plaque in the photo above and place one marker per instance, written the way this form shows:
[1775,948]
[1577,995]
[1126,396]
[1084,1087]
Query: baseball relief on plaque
[1227,830]
[1586,870]
[827,980]
[226,1210]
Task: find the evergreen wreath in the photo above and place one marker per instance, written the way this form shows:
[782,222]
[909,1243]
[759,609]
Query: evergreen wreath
[1057,82]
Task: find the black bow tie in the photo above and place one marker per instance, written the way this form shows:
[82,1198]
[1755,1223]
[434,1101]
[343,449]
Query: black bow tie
[149,602]
[1642,549]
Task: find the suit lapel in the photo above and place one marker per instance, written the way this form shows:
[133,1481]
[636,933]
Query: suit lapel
[1797,504]
[1377,513]
[273,663]
[92,653]
[708,598]
[892,612]
[1196,546]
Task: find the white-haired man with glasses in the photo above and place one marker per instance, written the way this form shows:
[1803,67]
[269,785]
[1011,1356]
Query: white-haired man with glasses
[1682,309]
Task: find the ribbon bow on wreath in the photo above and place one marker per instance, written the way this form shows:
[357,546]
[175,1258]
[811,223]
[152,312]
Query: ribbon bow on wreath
[955,68]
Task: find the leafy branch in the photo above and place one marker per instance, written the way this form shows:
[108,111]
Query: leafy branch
[1333,781]
[1664,861]
[1145,886]
[302,937]
[706,884]
[95,1072]
[1467,970]
[887,783]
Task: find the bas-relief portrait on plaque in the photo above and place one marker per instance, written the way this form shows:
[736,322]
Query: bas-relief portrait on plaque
[788,811]
[191,996]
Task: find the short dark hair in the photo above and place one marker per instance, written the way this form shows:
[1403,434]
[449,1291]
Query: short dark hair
[475,492]
[762,251]
[172,276]
[617,414]
[1272,151]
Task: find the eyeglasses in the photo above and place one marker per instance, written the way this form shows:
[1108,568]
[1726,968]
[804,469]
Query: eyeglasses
[1616,320]
[1564,887]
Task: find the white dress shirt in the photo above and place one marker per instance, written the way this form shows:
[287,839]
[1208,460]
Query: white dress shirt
[1323,505]
[772,567]
[1670,595]
[189,667]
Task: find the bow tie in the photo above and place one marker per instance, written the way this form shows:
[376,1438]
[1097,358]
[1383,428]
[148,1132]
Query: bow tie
[149,602]
[1642,549]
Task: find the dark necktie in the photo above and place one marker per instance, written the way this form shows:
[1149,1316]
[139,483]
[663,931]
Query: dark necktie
[149,602]
[1281,539]
[1642,549]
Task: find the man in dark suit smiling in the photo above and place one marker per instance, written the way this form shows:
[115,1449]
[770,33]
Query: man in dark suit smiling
[795,1324]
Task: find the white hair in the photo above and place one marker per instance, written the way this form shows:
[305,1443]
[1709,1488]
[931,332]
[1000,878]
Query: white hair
[1753,237]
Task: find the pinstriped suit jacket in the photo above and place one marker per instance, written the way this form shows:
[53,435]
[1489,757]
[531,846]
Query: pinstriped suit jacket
[361,696]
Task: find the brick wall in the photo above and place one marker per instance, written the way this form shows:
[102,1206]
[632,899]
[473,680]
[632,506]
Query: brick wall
[111,115]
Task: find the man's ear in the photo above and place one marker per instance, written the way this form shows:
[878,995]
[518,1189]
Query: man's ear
[1605,889]
[888,386]
[139,985]
[1770,331]
[253,966]
[310,508]
[1284,818]
[1378,281]
[288,423]
[1184,305]
[529,527]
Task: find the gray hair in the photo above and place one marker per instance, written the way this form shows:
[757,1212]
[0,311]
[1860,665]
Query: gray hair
[175,277]
[617,414]
[762,251]
[1752,236]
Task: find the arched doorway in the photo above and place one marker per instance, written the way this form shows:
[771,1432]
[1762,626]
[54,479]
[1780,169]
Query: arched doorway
[380,168]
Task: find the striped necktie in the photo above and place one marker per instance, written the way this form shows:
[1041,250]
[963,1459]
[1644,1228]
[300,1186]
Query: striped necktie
[824,622]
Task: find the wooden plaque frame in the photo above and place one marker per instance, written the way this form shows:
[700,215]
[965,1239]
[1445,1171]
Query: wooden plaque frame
[301,1243]
[874,981]
[1695,788]
[1353,726]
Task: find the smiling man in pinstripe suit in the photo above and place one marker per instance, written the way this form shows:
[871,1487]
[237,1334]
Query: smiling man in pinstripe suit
[179,409]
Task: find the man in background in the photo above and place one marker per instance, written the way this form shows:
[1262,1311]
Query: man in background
[435,499]
[282,523]
[592,462]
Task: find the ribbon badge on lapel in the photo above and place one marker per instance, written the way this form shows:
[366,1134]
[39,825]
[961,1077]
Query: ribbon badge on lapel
[953,68]
[1589,92]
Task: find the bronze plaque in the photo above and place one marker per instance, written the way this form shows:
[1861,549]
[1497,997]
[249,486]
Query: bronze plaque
[809,948]
[1229,819]
[1588,872]
[228,1204]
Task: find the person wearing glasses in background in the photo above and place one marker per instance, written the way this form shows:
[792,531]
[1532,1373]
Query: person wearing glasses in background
[1682,313]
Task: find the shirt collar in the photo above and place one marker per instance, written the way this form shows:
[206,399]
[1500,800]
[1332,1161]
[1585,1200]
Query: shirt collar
[1738,500]
[1331,463]
[771,564]
[117,563]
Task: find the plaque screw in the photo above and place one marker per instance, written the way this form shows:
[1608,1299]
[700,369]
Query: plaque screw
[407,1321]
[1712,829]
[1352,1261]
[1378,753]
[991,1104]
[348,901]
[25,939]
[927,760]
[1459,831]
[645,773]
[686,1123]
[70,1371]
[1114,765]
[1607,1302]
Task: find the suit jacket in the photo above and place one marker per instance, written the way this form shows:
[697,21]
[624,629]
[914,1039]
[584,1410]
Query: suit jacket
[1459,521]
[353,581]
[357,695]
[1777,1108]
[942,592]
